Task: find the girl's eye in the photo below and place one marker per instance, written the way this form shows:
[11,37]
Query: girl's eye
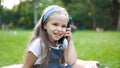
[55,24]
[64,26]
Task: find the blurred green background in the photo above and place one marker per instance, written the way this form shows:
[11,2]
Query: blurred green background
[86,14]
[96,37]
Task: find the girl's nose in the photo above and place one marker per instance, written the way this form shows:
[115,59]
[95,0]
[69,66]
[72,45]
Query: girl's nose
[59,28]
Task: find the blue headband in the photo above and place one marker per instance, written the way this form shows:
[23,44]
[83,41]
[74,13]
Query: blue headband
[49,12]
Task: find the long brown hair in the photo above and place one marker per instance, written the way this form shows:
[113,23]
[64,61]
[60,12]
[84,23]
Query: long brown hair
[40,32]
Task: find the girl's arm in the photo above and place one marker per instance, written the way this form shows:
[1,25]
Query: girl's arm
[29,60]
[70,52]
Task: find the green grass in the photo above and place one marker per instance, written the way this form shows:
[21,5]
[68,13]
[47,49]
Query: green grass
[12,46]
[101,46]
[90,45]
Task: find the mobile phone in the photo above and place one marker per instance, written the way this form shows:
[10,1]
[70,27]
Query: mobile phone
[68,25]
[69,22]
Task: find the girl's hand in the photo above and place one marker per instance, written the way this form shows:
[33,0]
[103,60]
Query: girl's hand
[68,34]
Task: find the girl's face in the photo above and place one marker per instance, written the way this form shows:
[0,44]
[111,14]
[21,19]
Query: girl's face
[56,26]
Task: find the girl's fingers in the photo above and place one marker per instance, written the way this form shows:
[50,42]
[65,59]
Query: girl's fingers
[68,33]
[68,29]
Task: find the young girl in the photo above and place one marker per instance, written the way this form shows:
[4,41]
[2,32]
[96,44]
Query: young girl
[51,45]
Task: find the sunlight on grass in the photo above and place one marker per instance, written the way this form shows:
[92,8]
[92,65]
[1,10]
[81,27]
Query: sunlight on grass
[101,46]
[90,45]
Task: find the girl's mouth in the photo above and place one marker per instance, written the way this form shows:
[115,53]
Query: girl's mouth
[57,35]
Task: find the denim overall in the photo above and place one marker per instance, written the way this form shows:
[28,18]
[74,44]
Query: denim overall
[55,56]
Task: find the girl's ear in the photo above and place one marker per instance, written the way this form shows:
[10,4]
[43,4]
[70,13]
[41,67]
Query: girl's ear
[44,26]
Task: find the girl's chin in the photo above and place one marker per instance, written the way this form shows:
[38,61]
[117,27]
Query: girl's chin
[56,39]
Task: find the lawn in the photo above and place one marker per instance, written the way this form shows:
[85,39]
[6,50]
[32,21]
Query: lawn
[90,45]
[12,46]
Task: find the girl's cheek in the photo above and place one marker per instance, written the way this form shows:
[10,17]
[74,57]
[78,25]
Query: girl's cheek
[64,31]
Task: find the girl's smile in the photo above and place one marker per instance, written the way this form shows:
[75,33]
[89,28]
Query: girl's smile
[58,34]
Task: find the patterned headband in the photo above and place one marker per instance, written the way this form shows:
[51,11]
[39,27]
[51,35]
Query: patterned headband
[49,12]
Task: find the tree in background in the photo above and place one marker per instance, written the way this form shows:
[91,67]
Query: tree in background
[1,13]
[91,13]
[116,13]
[103,13]
[29,11]
[88,14]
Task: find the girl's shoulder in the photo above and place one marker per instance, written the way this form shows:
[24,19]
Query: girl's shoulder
[35,42]
[34,47]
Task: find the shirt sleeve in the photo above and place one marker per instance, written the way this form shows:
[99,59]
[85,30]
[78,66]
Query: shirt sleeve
[35,47]
[65,43]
